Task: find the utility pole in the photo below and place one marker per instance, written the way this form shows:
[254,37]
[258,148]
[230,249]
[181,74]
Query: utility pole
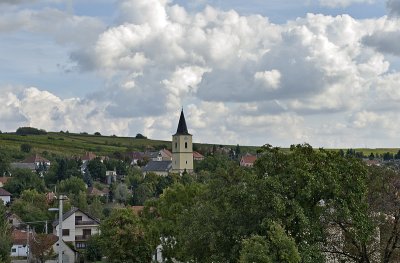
[27,243]
[60,219]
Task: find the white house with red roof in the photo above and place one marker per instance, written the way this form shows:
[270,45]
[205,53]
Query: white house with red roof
[198,156]
[5,196]
[248,160]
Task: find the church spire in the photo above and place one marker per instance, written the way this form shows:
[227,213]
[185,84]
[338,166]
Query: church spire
[182,128]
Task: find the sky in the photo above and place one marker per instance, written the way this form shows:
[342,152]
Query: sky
[282,72]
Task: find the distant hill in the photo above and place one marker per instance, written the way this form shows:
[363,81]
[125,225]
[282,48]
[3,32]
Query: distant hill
[74,144]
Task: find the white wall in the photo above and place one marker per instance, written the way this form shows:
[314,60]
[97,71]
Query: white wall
[20,251]
[5,199]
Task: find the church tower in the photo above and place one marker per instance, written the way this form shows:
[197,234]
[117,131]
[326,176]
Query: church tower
[182,148]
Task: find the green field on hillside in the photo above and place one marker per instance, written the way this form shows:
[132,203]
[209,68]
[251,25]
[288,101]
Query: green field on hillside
[73,144]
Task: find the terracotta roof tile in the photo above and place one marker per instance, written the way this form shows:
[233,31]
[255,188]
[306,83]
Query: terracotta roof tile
[3,192]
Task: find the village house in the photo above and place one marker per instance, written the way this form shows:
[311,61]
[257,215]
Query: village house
[35,163]
[248,160]
[5,196]
[77,227]
[20,244]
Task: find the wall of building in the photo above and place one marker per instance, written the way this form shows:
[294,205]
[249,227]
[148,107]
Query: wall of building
[182,153]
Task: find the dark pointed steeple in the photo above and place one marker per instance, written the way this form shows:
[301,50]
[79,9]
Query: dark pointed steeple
[182,128]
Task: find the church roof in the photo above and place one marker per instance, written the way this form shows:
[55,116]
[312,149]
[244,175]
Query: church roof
[182,128]
[158,166]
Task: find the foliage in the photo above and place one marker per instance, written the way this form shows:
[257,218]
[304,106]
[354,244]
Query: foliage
[277,247]
[95,208]
[213,162]
[290,199]
[97,169]
[32,206]
[71,186]
[25,147]
[140,136]
[121,193]
[93,250]
[30,131]
[5,236]
[41,247]
[23,179]
[124,238]
[4,163]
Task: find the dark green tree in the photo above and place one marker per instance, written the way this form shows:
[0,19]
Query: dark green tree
[94,250]
[124,238]
[32,206]
[97,169]
[5,236]
[23,179]
[276,247]
[4,164]
[25,147]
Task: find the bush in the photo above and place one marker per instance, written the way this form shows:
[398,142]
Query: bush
[97,133]
[26,147]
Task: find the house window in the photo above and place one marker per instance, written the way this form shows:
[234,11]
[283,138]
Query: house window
[78,218]
[87,232]
[185,145]
[13,250]
[176,145]
[65,232]
[80,245]
[186,162]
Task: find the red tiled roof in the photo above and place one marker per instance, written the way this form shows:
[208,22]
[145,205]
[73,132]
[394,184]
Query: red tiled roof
[4,179]
[88,156]
[197,155]
[19,237]
[3,192]
[35,158]
[167,152]
[248,159]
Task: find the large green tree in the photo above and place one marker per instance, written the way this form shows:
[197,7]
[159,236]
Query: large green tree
[32,207]
[124,238]
[306,192]
[23,179]
[97,169]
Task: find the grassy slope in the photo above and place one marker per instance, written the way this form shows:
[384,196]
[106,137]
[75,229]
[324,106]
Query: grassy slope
[72,144]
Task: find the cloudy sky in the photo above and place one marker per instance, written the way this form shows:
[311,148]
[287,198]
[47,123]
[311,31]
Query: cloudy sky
[251,72]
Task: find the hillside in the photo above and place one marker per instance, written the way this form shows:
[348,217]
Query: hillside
[73,144]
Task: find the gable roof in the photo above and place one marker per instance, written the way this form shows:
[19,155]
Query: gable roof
[35,159]
[248,159]
[158,166]
[165,153]
[182,128]
[3,192]
[30,166]
[71,212]
[19,237]
[88,156]
[197,155]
